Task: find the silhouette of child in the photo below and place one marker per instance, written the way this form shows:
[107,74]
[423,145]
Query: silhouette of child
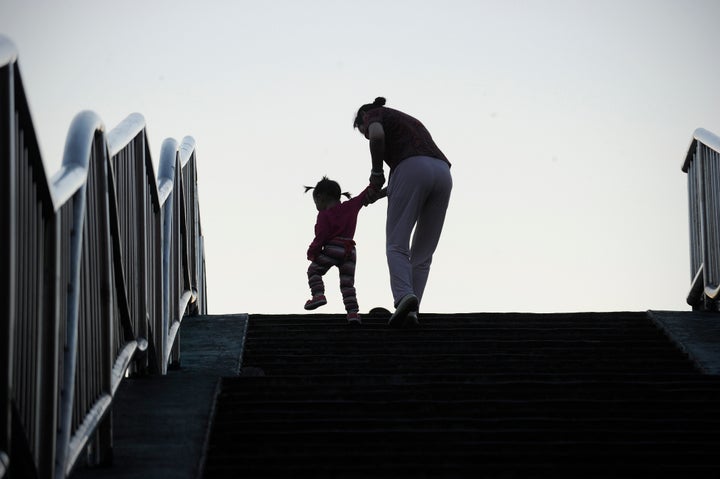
[334,245]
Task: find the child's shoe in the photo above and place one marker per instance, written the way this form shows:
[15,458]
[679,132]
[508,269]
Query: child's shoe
[315,302]
[354,319]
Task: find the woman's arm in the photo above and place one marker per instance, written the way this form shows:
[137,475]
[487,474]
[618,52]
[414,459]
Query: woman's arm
[376,135]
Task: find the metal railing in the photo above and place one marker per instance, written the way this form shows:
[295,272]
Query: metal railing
[702,165]
[99,265]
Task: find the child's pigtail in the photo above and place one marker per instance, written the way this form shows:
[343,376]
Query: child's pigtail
[308,188]
[346,194]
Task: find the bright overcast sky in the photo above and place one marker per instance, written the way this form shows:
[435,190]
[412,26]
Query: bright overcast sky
[567,122]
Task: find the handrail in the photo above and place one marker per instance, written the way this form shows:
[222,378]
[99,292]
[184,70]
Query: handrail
[100,265]
[702,165]
[124,133]
[71,184]
[705,137]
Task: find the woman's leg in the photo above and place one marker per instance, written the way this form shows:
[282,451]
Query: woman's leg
[407,191]
[429,226]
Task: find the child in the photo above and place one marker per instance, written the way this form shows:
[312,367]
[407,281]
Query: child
[333,244]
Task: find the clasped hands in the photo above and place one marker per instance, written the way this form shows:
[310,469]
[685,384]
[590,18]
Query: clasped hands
[376,190]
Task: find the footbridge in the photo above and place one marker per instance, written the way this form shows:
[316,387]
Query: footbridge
[102,264]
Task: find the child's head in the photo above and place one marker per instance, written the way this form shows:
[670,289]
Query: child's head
[326,193]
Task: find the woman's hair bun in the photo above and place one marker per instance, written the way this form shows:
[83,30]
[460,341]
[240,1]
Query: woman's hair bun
[379,101]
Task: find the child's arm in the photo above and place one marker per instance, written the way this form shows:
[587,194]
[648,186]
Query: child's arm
[321,237]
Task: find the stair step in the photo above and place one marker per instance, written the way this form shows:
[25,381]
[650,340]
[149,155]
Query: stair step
[469,395]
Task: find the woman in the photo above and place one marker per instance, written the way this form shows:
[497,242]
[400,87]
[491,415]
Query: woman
[418,194]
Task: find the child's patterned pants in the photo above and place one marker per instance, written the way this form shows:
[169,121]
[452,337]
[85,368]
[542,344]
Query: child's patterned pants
[338,252]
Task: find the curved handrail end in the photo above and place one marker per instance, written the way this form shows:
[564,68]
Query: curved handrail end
[166,168]
[712,290]
[80,135]
[121,364]
[142,344]
[186,150]
[175,327]
[708,138]
[76,156]
[166,164]
[4,463]
[8,51]
[172,333]
[705,137]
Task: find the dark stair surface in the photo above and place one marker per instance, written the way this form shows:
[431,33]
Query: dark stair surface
[465,395]
[160,423]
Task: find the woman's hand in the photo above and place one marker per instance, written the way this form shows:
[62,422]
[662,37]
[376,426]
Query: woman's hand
[373,195]
[377,179]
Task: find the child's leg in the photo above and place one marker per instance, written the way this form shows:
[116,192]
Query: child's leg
[347,282]
[332,255]
[315,272]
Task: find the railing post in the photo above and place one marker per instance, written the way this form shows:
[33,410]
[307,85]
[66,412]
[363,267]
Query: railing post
[166,176]
[7,249]
[178,244]
[67,394]
[140,186]
[702,216]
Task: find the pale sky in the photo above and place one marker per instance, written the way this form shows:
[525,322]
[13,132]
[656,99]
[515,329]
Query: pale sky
[567,123]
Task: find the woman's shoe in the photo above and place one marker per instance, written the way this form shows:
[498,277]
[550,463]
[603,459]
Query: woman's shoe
[411,320]
[408,303]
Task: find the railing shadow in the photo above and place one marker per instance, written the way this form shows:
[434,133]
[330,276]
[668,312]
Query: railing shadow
[99,264]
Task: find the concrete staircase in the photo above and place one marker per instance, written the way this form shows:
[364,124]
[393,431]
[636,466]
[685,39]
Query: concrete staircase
[465,395]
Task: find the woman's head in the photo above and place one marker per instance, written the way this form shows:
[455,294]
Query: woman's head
[379,101]
[326,193]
